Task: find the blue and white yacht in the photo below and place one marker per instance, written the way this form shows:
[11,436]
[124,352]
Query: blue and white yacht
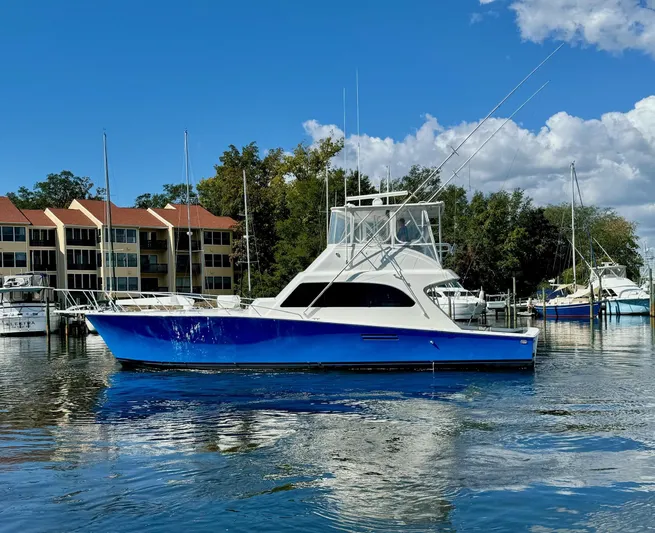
[367,301]
[621,295]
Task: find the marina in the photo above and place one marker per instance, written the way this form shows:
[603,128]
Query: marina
[349,268]
[568,446]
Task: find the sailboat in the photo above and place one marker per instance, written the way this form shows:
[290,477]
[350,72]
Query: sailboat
[576,303]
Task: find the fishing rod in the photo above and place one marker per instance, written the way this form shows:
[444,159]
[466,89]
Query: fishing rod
[432,174]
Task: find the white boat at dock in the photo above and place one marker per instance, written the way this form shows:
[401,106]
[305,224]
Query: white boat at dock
[23,305]
[621,295]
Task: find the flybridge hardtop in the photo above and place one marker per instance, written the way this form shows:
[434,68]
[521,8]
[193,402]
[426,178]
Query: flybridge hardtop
[366,301]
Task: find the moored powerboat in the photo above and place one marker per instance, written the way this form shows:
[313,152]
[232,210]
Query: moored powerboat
[23,305]
[364,302]
[622,296]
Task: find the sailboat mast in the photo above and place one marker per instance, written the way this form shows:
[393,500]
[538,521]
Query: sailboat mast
[112,259]
[245,206]
[575,279]
[188,206]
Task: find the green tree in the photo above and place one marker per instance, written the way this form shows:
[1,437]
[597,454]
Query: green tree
[597,229]
[172,194]
[57,190]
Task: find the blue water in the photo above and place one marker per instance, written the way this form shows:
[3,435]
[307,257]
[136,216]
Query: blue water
[85,446]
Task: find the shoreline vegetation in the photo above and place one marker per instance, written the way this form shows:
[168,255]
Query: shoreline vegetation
[494,236]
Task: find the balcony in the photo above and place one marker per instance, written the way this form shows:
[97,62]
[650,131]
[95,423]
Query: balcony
[44,267]
[154,244]
[183,244]
[81,266]
[42,242]
[151,268]
[183,268]
[71,241]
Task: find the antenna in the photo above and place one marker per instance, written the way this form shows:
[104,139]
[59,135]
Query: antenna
[112,259]
[327,206]
[359,172]
[188,206]
[245,206]
[345,176]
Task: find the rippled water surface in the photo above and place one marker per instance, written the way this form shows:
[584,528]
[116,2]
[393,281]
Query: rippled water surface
[85,446]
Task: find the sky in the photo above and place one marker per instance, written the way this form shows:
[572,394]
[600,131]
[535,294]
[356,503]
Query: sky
[273,72]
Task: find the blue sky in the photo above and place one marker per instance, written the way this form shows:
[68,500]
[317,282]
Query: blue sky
[256,71]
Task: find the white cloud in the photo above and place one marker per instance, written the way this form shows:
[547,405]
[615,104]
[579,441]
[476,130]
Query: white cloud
[483,2]
[475,18]
[612,25]
[614,154]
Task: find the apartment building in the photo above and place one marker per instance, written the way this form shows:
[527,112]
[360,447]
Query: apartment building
[150,247]
[14,248]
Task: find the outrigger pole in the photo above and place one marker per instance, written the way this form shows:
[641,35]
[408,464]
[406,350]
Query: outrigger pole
[436,170]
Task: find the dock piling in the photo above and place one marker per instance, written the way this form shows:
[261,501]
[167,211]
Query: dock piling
[514,300]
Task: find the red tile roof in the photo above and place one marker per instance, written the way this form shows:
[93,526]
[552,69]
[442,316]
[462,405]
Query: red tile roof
[72,217]
[9,213]
[122,216]
[200,217]
[38,218]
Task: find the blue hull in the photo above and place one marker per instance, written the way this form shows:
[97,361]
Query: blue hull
[232,342]
[633,306]
[567,311]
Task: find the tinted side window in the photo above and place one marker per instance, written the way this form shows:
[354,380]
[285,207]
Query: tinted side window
[348,295]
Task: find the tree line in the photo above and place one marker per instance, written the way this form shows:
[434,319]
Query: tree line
[495,236]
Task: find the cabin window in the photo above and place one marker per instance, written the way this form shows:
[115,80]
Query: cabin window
[348,295]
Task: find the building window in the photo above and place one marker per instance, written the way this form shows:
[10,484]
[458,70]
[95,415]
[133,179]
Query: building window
[226,261]
[19,234]
[80,236]
[348,295]
[7,233]
[21,259]
[43,259]
[81,281]
[208,260]
[217,238]
[78,259]
[121,260]
[227,283]
[42,237]
[122,235]
[133,284]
